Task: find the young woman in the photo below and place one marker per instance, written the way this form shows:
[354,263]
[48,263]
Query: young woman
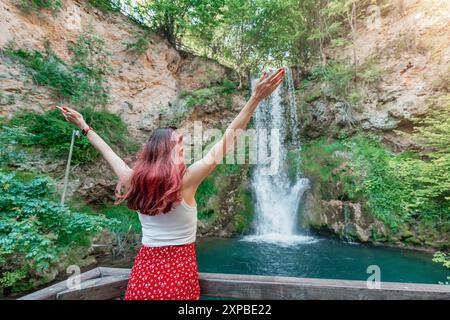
[162,190]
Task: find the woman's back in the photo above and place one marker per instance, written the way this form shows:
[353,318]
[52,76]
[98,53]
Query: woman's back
[176,227]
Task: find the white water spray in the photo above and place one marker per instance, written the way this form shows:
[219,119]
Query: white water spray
[278,196]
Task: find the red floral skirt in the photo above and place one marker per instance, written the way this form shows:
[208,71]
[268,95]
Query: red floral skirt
[164,273]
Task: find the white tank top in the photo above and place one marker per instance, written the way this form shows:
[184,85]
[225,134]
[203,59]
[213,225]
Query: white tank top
[176,227]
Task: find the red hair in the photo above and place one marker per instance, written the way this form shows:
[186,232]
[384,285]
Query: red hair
[155,185]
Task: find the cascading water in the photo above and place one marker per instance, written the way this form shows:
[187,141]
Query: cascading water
[277,194]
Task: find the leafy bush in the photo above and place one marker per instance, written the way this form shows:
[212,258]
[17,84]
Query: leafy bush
[128,219]
[138,46]
[51,132]
[441,257]
[370,75]
[10,152]
[206,190]
[312,95]
[343,80]
[210,95]
[221,95]
[393,188]
[429,175]
[339,77]
[243,220]
[49,70]
[89,55]
[105,5]
[323,152]
[444,259]
[380,186]
[37,233]
[28,5]
[355,169]
[228,87]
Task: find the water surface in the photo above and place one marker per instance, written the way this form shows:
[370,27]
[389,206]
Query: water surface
[316,258]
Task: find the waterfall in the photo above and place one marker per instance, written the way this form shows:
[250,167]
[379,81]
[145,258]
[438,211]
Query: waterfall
[278,195]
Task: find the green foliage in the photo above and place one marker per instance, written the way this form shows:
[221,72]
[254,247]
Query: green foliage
[89,54]
[371,75]
[248,34]
[138,46]
[128,219]
[29,5]
[433,130]
[429,178]
[243,220]
[51,132]
[441,257]
[175,18]
[80,83]
[383,192]
[208,192]
[338,76]
[342,81]
[444,259]
[219,95]
[210,95]
[200,97]
[228,87]
[105,5]
[319,161]
[394,188]
[36,233]
[49,70]
[10,152]
[312,95]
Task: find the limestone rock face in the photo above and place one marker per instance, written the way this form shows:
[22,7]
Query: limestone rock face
[343,218]
[139,86]
[411,56]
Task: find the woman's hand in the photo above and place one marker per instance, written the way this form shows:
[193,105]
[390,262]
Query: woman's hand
[199,170]
[265,86]
[120,168]
[73,117]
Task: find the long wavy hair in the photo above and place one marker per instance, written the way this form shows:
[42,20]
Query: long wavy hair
[155,185]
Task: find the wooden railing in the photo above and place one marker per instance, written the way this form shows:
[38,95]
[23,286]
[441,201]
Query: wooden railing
[110,283]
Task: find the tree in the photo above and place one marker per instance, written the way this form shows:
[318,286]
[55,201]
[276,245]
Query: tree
[177,18]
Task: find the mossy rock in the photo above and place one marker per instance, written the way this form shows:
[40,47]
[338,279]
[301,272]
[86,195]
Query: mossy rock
[350,231]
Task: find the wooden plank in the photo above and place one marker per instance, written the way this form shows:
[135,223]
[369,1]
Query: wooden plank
[290,288]
[49,293]
[104,288]
[106,271]
[113,281]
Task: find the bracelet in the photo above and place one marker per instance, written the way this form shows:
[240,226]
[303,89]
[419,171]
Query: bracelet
[86,131]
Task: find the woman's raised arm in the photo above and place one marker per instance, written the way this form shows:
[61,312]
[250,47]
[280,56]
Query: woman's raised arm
[119,166]
[204,167]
